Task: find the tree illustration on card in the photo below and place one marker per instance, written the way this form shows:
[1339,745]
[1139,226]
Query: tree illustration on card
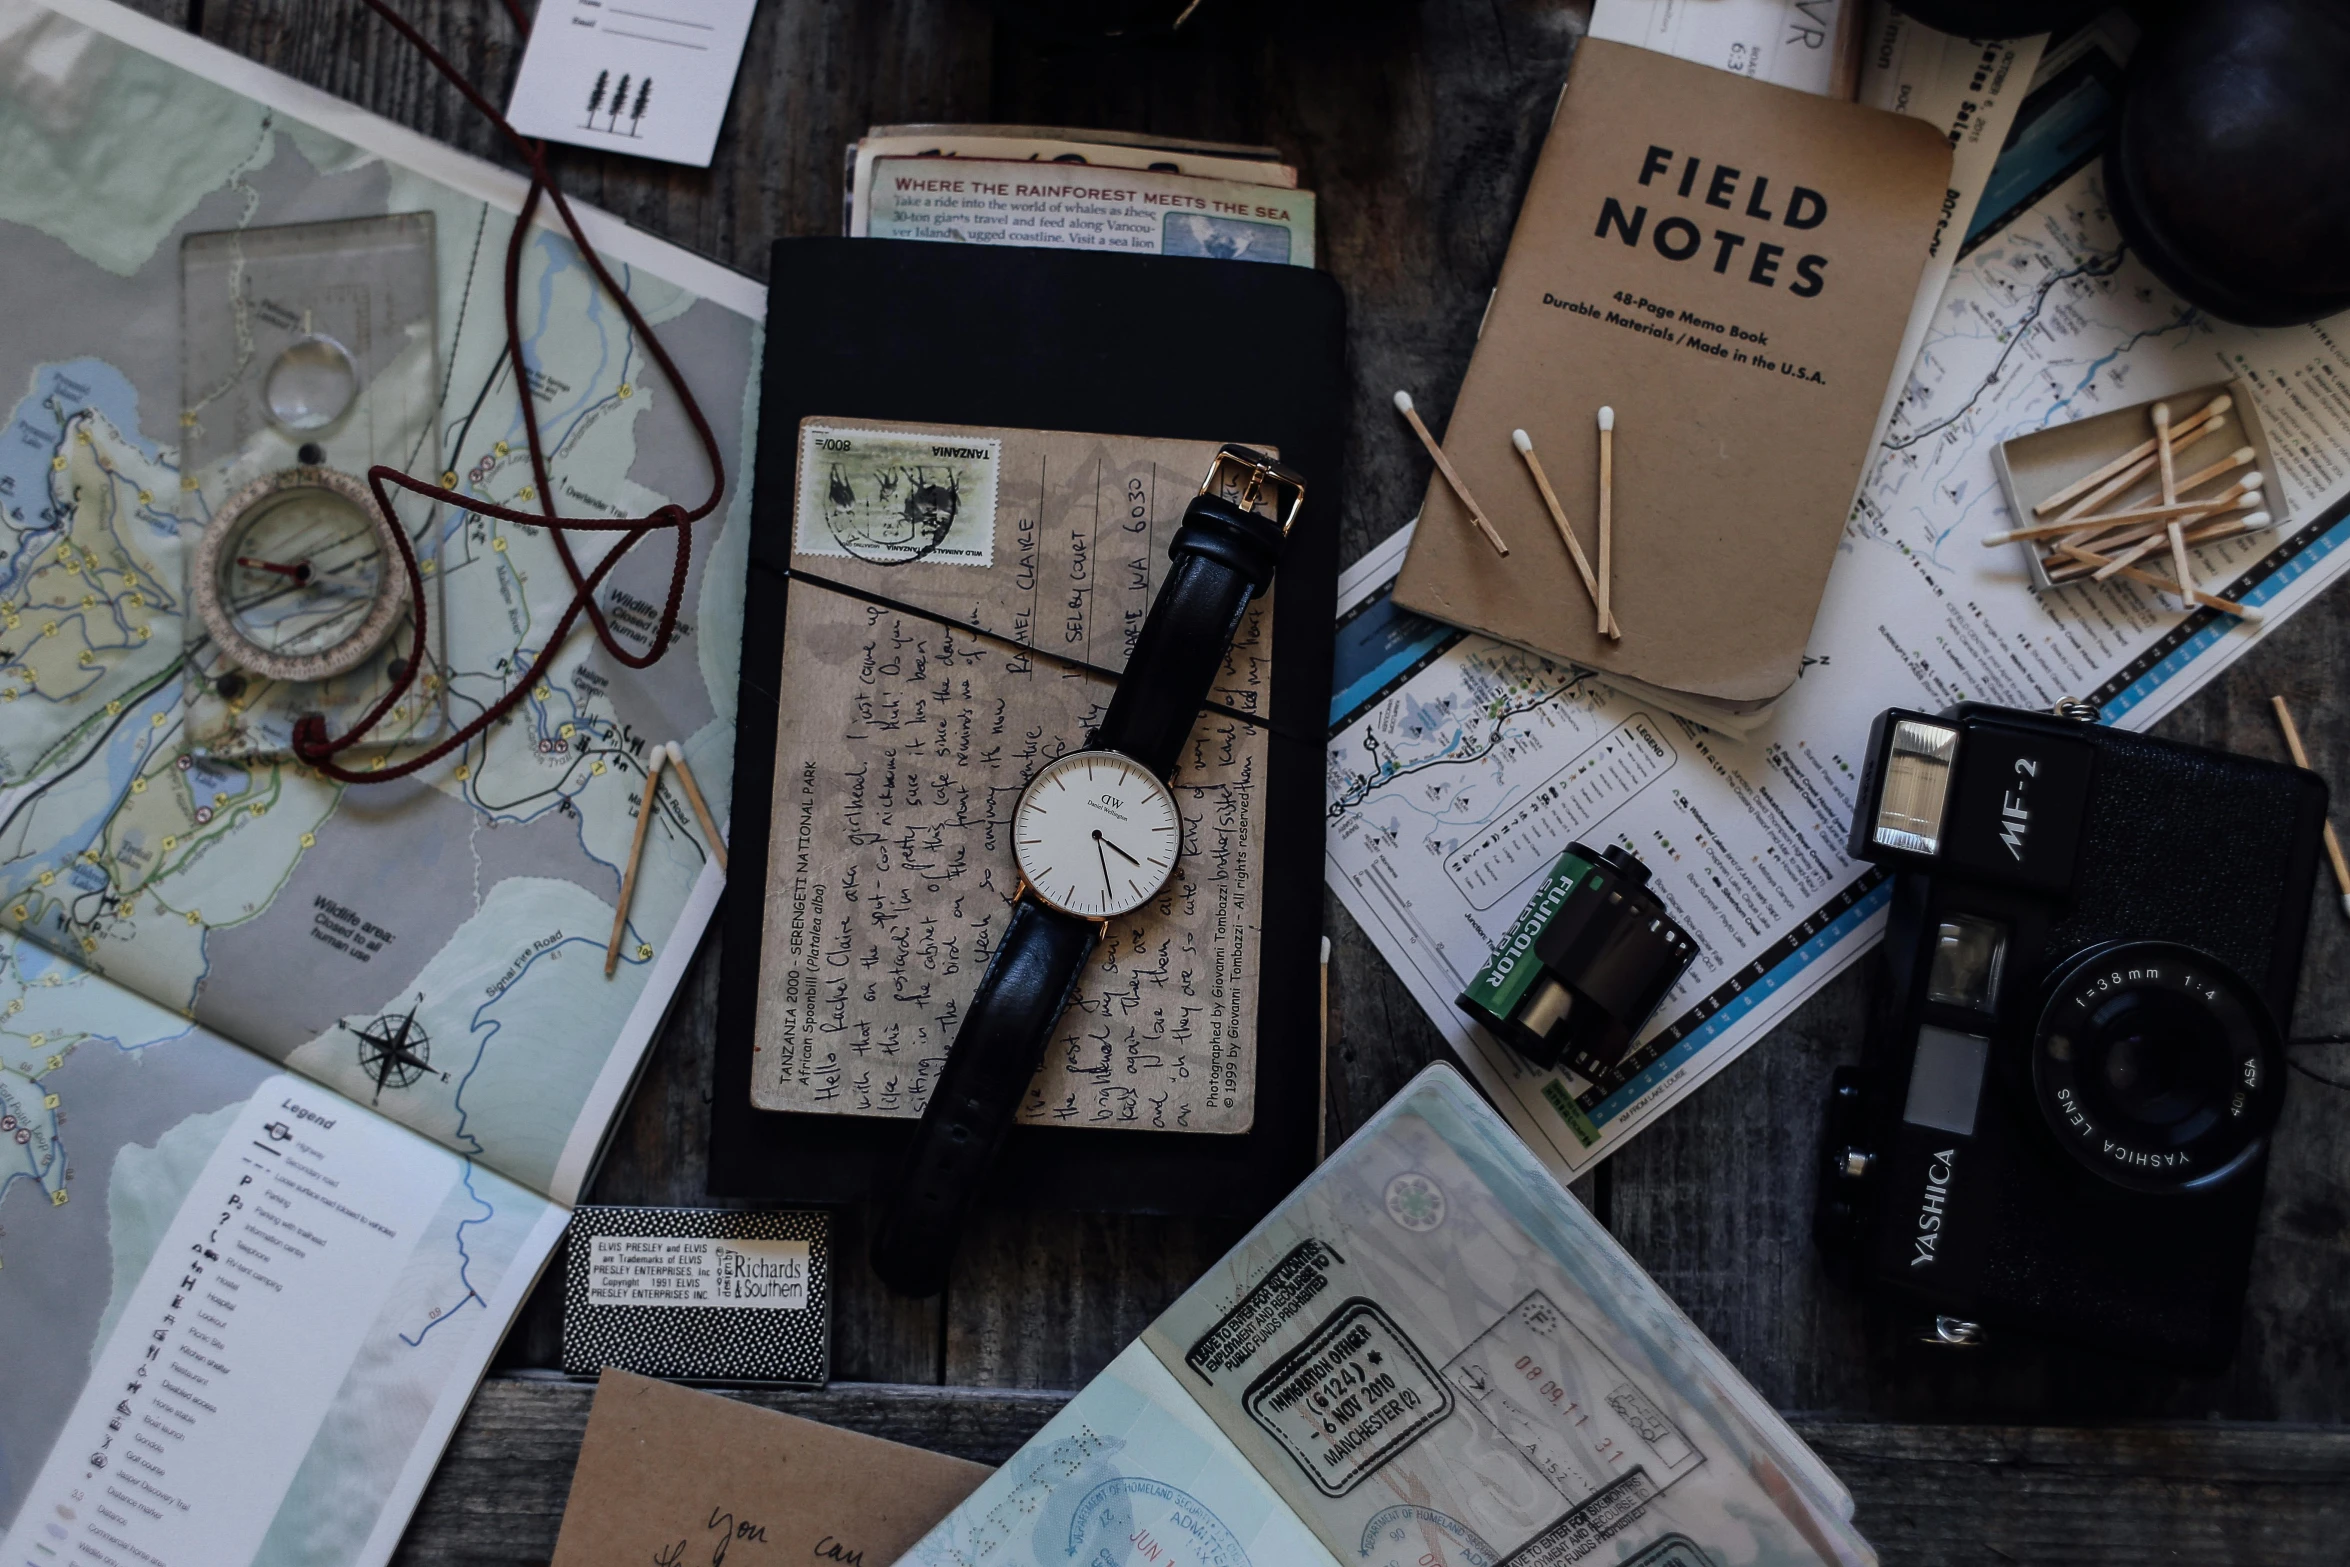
[596,98]
[644,95]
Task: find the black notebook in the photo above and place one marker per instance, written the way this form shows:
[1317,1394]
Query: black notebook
[1167,349]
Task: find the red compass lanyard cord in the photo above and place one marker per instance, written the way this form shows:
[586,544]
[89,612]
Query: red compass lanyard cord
[311,742]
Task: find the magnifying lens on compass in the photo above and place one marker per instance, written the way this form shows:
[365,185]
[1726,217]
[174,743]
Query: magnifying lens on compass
[313,383]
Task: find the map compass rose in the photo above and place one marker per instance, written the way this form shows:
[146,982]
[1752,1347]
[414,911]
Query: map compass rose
[395,1052]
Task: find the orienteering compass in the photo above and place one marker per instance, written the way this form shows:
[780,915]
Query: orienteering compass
[297,577]
[394,1052]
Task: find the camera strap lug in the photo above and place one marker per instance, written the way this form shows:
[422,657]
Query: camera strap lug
[1953,1333]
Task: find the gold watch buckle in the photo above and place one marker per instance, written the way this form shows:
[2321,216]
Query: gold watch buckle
[1260,473]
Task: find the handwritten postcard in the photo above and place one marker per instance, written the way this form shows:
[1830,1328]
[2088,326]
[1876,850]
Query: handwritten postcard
[911,720]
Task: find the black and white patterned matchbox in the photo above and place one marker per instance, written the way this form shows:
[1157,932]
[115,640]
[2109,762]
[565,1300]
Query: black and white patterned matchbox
[713,1294]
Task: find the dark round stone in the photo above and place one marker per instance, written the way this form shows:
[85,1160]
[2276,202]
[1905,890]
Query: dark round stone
[2228,170]
[311,454]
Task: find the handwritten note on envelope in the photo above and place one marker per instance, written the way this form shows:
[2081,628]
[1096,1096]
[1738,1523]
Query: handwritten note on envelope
[962,603]
[685,1479]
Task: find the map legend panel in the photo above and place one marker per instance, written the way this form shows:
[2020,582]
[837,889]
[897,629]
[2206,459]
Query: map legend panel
[1527,838]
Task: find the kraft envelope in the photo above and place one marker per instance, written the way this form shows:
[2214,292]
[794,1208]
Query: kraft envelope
[671,1476]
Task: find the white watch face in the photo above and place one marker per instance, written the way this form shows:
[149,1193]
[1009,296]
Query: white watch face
[1096,834]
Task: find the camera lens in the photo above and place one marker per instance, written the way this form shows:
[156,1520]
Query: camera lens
[2156,1066]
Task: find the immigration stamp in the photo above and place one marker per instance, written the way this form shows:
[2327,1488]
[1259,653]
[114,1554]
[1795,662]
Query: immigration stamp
[1353,1395]
[1411,1533]
[893,497]
[1135,1519]
[1285,1290]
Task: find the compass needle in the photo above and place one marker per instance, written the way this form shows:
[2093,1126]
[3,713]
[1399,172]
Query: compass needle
[294,578]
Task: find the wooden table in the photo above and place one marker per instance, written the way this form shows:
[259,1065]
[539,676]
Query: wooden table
[1417,124]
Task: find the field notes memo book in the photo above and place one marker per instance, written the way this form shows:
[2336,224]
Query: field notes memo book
[1729,265]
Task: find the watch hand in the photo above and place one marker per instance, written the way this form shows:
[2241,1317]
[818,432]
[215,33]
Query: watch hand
[1107,891]
[299,572]
[1113,848]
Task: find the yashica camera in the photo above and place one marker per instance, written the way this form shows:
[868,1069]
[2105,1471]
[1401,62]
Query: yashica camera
[2061,1123]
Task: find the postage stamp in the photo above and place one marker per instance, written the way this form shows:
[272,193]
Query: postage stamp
[893,497]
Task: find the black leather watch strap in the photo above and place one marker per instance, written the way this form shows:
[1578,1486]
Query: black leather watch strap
[1224,557]
[994,1056]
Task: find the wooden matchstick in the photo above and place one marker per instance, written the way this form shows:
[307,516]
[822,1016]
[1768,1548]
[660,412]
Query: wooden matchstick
[2138,541]
[2228,464]
[2135,455]
[2155,539]
[2181,567]
[2162,452]
[1403,405]
[1322,1098]
[1607,511]
[2234,498]
[1558,514]
[2181,435]
[693,797]
[2244,492]
[2194,595]
[636,855]
[2198,532]
[2301,760]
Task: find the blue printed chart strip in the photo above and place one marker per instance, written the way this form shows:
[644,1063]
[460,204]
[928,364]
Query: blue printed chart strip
[1444,745]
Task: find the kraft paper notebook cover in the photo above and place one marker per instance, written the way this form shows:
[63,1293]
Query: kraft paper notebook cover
[878,335]
[1729,265]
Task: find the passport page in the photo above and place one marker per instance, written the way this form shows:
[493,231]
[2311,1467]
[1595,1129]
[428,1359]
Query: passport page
[1437,1356]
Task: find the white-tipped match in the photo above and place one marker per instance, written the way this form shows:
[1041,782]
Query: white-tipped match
[2242,455]
[2161,414]
[1607,418]
[1325,949]
[2346,903]
[2256,521]
[2219,405]
[675,754]
[1403,402]
[2251,482]
[1521,440]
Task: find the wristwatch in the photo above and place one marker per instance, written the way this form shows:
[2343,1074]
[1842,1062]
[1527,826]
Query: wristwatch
[1095,836]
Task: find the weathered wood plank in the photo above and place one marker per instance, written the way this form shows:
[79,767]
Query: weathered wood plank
[1417,124]
[1930,1495]
[1045,1300]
